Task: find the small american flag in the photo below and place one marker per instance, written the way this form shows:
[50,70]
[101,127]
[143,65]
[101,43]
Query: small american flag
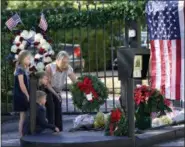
[43,23]
[13,21]
[166,28]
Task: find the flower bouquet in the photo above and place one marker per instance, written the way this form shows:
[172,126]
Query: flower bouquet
[117,124]
[148,100]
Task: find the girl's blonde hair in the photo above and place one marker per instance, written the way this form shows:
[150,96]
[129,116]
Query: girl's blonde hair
[22,55]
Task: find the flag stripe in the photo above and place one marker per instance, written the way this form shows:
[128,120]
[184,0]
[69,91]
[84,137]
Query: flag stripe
[173,73]
[158,64]
[153,65]
[167,71]
[182,23]
[170,64]
[163,69]
[178,68]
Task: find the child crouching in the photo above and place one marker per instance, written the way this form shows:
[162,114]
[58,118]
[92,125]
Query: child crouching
[41,121]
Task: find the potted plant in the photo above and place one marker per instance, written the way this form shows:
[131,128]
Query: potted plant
[148,100]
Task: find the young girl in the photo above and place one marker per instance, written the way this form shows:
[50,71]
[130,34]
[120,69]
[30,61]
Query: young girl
[21,86]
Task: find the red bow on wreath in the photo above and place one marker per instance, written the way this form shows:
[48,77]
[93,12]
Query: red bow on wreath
[87,88]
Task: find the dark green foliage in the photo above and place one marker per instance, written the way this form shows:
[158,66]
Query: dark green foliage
[79,98]
[120,128]
[64,18]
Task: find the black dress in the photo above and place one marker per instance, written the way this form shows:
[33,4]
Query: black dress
[53,108]
[20,101]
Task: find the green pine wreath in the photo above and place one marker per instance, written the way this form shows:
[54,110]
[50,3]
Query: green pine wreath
[89,93]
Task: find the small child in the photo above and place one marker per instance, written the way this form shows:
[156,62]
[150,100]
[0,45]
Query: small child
[41,121]
[53,105]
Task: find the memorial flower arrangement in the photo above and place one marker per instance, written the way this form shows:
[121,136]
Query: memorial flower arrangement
[117,124]
[89,93]
[37,43]
[163,120]
[148,100]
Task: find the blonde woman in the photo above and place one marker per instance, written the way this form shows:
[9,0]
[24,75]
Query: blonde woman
[21,86]
[57,72]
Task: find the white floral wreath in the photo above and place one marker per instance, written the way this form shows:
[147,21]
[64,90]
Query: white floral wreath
[32,39]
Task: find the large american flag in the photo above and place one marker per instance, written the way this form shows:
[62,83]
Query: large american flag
[43,23]
[13,21]
[166,30]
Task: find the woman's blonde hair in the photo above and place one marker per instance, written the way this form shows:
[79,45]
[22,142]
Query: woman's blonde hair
[22,55]
[61,55]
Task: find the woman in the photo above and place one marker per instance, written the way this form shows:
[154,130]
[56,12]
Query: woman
[57,73]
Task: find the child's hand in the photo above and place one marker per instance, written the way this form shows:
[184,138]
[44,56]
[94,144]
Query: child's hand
[57,130]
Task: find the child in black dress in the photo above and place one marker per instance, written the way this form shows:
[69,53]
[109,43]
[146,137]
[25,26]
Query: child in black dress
[53,105]
[41,120]
[21,86]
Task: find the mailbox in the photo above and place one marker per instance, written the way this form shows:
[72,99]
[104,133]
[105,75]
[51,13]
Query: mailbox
[133,63]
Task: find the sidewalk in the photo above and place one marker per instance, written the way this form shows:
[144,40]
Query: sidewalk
[12,125]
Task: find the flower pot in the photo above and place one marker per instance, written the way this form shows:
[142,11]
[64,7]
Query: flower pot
[143,122]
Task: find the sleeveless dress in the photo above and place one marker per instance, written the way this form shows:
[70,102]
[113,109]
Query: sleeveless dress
[20,101]
[58,78]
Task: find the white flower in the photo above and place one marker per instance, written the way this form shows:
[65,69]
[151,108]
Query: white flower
[43,41]
[40,66]
[16,56]
[156,122]
[51,52]
[17,39]
[38,37]
[38,56]
[24,42]
[14,49]
[31,34]
[46,46]
[165,120]
[47,60]
[89,97]
[21,47]
[25,34]
[138,85]
[179,116]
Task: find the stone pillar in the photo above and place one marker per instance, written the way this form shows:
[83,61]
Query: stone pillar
[33,89]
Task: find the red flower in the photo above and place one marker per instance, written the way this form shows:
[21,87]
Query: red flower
[115,115]
[36,43]
[42,51]
[17,44]
[21,39]
[167,102]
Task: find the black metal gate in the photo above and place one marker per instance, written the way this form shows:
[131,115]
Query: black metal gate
[96,30]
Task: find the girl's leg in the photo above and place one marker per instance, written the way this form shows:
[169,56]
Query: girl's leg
[21,122]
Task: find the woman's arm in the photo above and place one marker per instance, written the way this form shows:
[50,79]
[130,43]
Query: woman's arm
[22,86]
[48,72]
[53,91]
[72,76]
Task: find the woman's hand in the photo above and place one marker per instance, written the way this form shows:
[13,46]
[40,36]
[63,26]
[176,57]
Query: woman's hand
[59,97]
